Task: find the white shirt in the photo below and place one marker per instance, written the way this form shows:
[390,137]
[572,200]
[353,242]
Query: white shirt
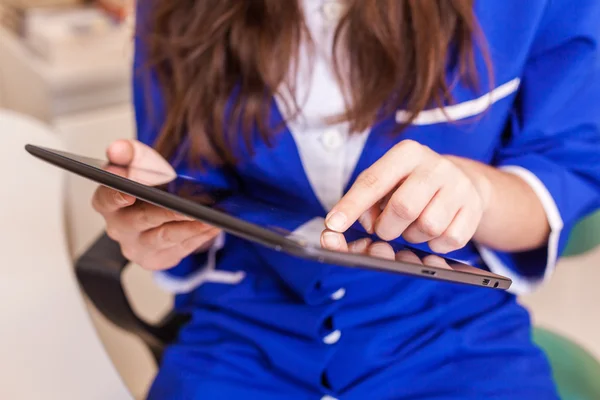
[328,153]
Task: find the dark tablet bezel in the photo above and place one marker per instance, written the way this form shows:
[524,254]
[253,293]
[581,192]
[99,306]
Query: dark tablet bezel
[263,236]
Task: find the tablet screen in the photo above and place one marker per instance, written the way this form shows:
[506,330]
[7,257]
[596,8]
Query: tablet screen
[297,226]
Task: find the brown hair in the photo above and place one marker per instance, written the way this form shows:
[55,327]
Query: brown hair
[397,54]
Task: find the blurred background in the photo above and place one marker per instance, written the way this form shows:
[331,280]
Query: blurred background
[65,82]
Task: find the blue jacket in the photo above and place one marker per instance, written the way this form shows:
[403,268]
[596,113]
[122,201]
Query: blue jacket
[266,325]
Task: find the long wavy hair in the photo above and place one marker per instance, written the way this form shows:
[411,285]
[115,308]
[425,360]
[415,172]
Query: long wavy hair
[219,61]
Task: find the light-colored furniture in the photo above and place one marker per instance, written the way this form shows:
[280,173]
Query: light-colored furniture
[54,91]
[87,104]
[49,347]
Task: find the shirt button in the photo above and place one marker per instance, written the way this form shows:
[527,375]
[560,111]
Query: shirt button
[328,397]
[333,10]
[332,140]
[333,337]
[338,294]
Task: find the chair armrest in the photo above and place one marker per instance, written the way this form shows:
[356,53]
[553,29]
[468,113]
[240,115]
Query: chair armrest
[99,272]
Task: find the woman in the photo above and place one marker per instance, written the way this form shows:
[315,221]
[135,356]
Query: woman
[467,128]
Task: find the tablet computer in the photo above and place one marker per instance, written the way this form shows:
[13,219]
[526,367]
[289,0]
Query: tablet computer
[294,233]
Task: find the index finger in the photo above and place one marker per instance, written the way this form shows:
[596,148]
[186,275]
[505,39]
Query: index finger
[372,185]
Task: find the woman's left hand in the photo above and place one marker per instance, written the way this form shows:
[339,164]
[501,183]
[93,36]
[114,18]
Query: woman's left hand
[418,194]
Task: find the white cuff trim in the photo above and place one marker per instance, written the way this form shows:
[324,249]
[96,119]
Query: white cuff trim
[522,285]
[206,274]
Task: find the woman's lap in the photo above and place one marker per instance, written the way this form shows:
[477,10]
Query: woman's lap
[195,374]
[471,345]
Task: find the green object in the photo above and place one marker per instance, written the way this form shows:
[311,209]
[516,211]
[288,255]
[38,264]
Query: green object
[585,236]
[576,372]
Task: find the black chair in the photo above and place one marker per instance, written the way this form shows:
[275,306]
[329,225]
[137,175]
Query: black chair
[99,271]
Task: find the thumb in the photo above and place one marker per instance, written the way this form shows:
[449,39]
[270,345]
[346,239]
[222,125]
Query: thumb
[149,167]
[121,152]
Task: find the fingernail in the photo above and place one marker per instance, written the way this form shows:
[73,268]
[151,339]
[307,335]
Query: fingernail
[336,221]
[331,240]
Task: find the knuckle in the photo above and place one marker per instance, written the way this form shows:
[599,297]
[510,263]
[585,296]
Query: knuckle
[455,239]
[463,184]
[429,226]
[438,247]
[443,166]
[403,209]
[164,235]
[411,236]
[409,145]
[426,176]
[409,149]
[368,180]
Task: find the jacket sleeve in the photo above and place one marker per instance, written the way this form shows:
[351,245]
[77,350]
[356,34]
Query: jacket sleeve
[149,111]
[553,136]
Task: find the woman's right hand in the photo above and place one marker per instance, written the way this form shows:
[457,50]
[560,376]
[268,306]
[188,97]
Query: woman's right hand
[153,237]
